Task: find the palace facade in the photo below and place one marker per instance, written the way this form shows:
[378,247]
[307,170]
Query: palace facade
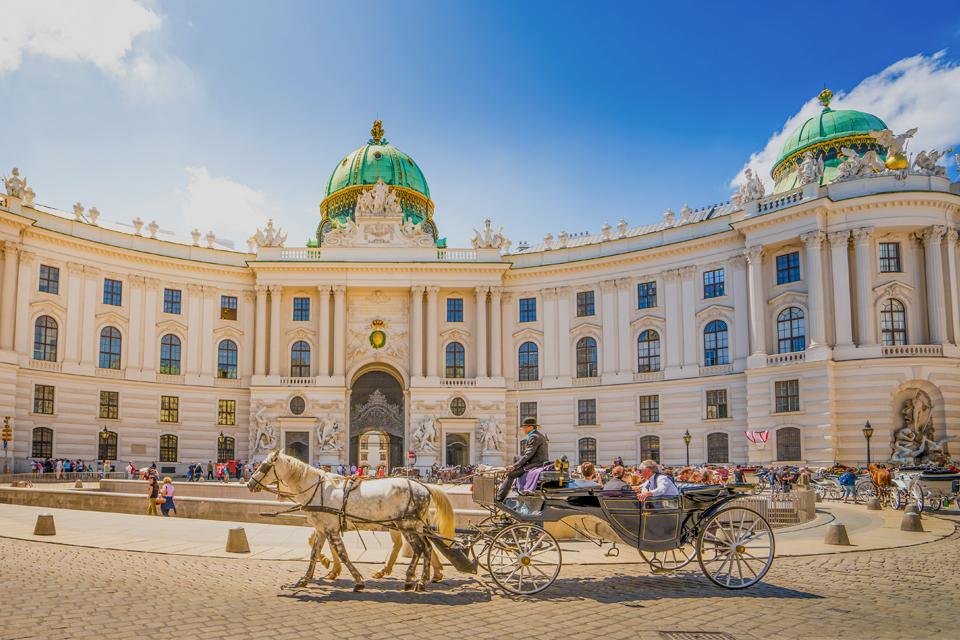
[795,317]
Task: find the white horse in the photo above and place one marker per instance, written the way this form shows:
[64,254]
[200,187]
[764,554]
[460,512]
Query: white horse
[389,502]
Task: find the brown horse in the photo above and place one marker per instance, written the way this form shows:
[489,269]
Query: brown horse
[880,475]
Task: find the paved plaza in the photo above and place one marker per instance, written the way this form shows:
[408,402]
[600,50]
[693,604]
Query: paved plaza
[63,591]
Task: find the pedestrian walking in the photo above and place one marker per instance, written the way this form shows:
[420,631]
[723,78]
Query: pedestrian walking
[166,492]
[153,496]
[209,469]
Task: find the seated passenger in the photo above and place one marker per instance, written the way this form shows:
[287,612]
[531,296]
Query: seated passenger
[590,473]
[655,484]
[616,481]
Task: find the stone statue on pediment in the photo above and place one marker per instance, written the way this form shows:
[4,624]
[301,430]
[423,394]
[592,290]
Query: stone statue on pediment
[490,239]
[925,163]
[855,166]
[15,185]
[751,189]
[810,170]
[381,200]
[269,236]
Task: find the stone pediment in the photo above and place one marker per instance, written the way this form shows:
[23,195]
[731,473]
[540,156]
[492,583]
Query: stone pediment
[527,334]
[172,326]
[49,306]
[458,335]
[228,332]
[715,310]
[112,318]
[892,289]
[586,329]
[648,319]
[788,297]
[299,333]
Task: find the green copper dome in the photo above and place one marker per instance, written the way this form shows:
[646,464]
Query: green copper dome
[375,160]
[825,135]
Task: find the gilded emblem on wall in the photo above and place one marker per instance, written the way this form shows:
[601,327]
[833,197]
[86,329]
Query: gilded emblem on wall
[378,337]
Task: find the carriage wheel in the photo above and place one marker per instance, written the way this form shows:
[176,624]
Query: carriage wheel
[918,498]
[735,547]
[524,559]
[898,497]
[864,491]
[935,503]
[671,559]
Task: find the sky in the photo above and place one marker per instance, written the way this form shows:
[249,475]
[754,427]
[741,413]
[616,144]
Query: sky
[541,116]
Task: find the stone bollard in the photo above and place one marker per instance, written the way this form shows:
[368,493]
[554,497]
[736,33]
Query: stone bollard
[817,498]
[78,484]
[911,522]
[44,526]
[873,504]
[837,534]
[237,541]
[912,508]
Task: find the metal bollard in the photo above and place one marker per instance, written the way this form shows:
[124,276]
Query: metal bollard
[911,522]
[45,526]
[237,540]
[837,534]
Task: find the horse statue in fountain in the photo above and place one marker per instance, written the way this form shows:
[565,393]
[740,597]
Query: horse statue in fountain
[332,501]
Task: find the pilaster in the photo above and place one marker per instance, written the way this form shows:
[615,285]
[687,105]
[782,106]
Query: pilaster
[480,297]
[936,306]
[276,293]
[496,333]
[840,266]
[432,337]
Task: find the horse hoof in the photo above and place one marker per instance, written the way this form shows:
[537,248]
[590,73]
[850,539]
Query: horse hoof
[378,575]
[358,587]
[437,578]
[420,587]
[408,586]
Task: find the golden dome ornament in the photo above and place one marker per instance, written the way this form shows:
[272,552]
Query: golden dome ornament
[378,337]
[897,162]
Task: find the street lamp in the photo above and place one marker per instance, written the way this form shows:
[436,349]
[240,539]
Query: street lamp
[868,433]
[686,440]
[6,435]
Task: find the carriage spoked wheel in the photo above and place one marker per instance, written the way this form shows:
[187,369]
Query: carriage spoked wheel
[735,547]
[671,559]
[898,498]
[524,559]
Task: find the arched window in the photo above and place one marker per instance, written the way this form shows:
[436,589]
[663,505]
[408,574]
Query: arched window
[791,334]
[455,359]
[529,362]
[893,323]
[648,351]
[650,448]
[718,448]
[788,444]
[226,449]
[227,359]
[716,344]
[586,357]
[42,446]
[107,445]
[45,339]
[109,348]
[587,450]
[300,359]
[170,355]
[168,448]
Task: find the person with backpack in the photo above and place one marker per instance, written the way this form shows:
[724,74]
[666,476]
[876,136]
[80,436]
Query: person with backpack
[848,481]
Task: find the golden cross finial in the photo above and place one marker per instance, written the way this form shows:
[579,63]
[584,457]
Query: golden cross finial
[376,133]
[825,96]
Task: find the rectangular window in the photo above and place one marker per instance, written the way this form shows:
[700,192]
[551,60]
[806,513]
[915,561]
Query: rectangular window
[717,404]
[528,309]
[43,399]
[649,409]
[49,279]
[168,448]
[587,411]
[301,309]
[646,295]
[169,409]
[454,309]
[227,412]
[787,393]
[788,267]
[713,283]
[42,443]
[110,405]
[585,304]
[528,410]
[889,257]
[112,292]
[171,301]
[228,307]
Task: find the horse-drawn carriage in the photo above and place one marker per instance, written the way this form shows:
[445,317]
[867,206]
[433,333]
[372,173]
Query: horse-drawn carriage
[925,486]
[733,545]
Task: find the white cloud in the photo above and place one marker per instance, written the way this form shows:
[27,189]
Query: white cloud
[919,91]
[101,32]
[231,209]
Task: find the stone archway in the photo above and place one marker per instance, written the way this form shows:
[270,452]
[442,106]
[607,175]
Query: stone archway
[376,408]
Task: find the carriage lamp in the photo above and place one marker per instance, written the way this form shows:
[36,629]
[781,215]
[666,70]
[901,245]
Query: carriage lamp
[686,440]
[105,434]
[221,438]
[868,433]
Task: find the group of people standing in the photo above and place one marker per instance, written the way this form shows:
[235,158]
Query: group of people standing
[160,496]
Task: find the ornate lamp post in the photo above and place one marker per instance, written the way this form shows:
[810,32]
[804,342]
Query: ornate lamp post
[6,435]
[686,441]
[868,433]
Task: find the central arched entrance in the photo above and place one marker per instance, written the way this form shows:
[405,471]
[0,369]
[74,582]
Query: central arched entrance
[376,420]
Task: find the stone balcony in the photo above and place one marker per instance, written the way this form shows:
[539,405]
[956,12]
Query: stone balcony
[716,370]
[298,381]
[115,374]
[522,385]
[791,357]
[913,350]
[364,254]
[45,365]
[458,382]
[648,376]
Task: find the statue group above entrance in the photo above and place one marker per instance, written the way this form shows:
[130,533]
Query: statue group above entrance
[378,221]
[914,442]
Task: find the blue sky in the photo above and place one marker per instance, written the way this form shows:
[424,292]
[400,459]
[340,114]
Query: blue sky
[541,116]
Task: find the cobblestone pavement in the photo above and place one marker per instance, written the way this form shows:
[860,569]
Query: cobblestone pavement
[55,591]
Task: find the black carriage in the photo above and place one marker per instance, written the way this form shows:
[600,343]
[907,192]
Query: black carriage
[734,545]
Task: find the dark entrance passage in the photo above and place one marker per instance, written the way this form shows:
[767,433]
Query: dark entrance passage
[377,419]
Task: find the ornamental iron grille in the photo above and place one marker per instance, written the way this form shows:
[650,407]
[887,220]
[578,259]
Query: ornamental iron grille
[377,405]
[788,444]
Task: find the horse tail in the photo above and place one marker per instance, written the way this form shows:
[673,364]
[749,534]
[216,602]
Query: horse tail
[443,517]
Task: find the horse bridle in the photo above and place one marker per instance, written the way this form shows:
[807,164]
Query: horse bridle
[259,484]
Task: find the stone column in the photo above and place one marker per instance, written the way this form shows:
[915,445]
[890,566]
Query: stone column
[866,326]
[194,329]
[561,336]
[339,330]
[9,295]
[208,349]
[608,320]
[741,310]
[149,330]
[89,343]
[936,306]
[247,325]
[432,337]
[550,342]
[758,302]
[260,341]
[416,331]
[276,293]
[624,331]
[840,265]
[323,331]
[674,321]
[816,302]
[133,348]
[23,337]
[496,333]
[954,281]
[74,292]
[688,305]
[480,297]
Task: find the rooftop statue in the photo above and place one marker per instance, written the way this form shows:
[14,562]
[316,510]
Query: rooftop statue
[381,200]
[269,236]
[925,163]
[490,239]
[811,169]
[896,145]
[752,189]
[15,185]
[856,166]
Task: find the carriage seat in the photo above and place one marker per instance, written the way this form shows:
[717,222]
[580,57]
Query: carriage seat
[940,475]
